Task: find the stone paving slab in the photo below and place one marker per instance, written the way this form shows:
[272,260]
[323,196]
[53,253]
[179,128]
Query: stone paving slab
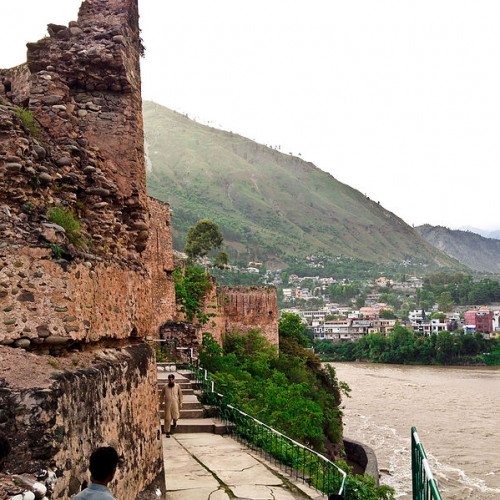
[198,494]
[205,466]
[182,471]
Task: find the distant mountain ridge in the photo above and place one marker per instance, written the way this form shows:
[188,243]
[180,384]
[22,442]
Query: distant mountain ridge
[471,249]
[270,206]
[495,234]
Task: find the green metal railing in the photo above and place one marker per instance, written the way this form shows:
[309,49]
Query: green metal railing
[299,460]
[424,485]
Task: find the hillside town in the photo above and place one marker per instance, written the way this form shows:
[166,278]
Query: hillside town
[341,309]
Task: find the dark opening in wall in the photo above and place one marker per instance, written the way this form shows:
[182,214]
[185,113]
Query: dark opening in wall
[4,449]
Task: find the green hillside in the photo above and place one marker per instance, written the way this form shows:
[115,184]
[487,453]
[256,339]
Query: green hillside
[270,206]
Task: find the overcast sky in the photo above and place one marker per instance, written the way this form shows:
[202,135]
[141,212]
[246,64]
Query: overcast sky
[398,98]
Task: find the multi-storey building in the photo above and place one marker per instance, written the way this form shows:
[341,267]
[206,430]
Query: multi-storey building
[478,321]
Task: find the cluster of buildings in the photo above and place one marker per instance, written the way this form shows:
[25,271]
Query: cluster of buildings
[340,324]
[297,291]
[481,320]
[348,325]
[351,329]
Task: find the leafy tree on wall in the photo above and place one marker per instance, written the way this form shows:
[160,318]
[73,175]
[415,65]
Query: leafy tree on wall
[202,238]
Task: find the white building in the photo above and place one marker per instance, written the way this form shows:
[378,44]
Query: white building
[418,315]
[313,318]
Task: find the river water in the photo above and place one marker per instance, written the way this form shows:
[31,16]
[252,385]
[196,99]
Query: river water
[455,411]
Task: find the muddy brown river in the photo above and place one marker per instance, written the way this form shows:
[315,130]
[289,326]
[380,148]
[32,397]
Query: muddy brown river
[455,411]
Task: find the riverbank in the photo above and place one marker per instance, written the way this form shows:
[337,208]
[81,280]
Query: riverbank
[403,346]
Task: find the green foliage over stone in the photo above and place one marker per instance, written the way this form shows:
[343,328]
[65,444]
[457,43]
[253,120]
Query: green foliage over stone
[191,286]
[28,120]
[67,219]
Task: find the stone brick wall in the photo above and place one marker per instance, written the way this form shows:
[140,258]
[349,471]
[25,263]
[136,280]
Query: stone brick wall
[82,86]
[47,306]
[248,307]
[236,309]
[55,423]
[71,137]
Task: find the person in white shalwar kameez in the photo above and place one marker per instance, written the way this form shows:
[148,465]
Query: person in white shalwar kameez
[172,398]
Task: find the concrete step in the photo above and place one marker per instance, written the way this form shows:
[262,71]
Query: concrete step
[187,405]
[189,412]
[192,413]
[189,402]
[195,425]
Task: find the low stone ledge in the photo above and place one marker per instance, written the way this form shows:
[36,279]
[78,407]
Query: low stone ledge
[362,455]
[54,417]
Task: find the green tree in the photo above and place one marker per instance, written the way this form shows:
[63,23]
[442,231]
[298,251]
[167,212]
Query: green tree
[191,285]
[202,238]
[360,301]
[221,260]
[388,314]
[445,301]
[291,327]
[438,315]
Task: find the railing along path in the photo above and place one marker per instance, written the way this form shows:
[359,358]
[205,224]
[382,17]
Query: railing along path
[300,461]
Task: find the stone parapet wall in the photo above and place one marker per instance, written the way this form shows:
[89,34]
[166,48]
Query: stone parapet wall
[54,419]
[238,309]
[48,304]
[247,307]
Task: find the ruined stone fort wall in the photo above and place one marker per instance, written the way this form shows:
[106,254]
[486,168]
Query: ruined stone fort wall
[54,424]
[48,305]
[71,138]
[238,309]
[248,307]
[85,150]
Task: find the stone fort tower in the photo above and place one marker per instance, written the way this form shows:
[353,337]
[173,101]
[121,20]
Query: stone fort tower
[71,143]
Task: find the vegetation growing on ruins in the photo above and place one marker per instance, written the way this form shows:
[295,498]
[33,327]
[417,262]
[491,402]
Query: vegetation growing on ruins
[69,222]
[404,346]
[191,285]
[202,238]
[28,120]
[287,389]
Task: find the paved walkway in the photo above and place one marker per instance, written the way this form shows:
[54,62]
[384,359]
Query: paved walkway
[206,466]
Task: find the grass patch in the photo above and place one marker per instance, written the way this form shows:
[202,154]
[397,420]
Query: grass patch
[57,251]
[28,120]
[69,222]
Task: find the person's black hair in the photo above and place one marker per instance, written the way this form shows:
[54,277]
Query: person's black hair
[171,376]
[103,462]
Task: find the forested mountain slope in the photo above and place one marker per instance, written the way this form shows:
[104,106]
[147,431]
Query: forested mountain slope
[471,249]
[270,206]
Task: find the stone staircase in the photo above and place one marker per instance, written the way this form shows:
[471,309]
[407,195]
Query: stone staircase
[194,417]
